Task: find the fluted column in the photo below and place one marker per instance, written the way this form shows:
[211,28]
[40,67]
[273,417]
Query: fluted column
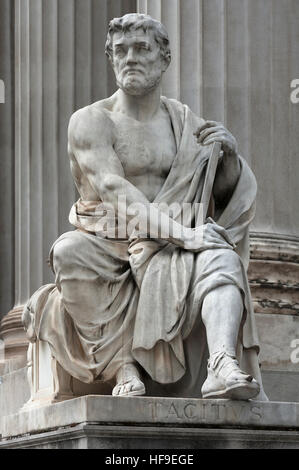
[11,331]
[7,161]
[168,12]
[60,66]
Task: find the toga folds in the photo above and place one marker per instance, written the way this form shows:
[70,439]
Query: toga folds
[114,302]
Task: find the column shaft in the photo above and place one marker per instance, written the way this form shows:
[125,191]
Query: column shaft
[7,160]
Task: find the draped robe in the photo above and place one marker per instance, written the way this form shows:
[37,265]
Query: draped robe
[115,302]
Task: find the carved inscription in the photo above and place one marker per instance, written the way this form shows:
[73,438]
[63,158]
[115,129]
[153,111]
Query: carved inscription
[205,412]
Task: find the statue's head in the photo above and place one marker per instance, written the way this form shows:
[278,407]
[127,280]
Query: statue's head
[138,48]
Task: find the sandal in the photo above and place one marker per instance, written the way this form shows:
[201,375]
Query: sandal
[226,379]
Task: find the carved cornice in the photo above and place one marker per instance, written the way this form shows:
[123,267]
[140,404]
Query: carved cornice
[274,273]
[13,334]
[12,320]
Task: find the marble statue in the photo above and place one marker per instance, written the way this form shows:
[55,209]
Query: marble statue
[143,310]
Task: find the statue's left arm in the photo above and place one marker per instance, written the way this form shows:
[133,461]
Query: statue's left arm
[228,170]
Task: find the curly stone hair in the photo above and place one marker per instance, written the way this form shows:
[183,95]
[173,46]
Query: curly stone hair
[134,21]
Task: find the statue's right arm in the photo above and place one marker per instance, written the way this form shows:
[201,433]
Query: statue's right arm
[91,139]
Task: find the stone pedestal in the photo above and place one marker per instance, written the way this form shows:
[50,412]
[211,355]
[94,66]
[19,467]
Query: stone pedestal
[146,422]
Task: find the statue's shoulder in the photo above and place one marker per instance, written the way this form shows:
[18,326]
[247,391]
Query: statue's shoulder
[176,105]
[182,112]
[91,123]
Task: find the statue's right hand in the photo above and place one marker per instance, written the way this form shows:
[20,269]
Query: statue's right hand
[206,237]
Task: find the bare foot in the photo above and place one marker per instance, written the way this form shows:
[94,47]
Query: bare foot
[128,382]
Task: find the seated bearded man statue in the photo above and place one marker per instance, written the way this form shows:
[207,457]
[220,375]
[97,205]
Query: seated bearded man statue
[152,314]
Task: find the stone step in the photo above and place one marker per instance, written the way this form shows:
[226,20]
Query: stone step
[126,437]
[153,411]
[118,422]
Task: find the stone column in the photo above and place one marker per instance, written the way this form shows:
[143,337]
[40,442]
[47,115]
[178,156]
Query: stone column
[59,66]
[11,331]
[7,165]
[7,161]
[233,61]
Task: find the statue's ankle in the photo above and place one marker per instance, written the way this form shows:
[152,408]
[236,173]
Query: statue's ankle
[126,372]
[223,359]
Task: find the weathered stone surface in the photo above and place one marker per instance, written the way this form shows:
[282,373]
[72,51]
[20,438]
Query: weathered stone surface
[276,333]
[92,436]
[274,274]
[14,391]
[13,334]
[141,411]
[281,385]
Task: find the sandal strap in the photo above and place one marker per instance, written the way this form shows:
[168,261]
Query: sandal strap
[226,363]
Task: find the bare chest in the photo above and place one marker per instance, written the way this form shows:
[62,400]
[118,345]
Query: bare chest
[145,148]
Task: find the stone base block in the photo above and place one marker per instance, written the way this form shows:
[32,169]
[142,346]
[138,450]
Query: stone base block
[94,436]
[144,422]
[14,391]
[281,385]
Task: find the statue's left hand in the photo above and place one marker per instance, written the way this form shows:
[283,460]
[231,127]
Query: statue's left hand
[213,131]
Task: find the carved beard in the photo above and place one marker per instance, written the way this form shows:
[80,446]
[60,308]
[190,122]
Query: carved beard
[138,87]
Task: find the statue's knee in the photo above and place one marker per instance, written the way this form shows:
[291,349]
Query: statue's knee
[63,252]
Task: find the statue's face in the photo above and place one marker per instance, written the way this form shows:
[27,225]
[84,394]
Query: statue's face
[137,62]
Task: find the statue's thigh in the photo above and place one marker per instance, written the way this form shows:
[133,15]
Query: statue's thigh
[78,250]
[217,261]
